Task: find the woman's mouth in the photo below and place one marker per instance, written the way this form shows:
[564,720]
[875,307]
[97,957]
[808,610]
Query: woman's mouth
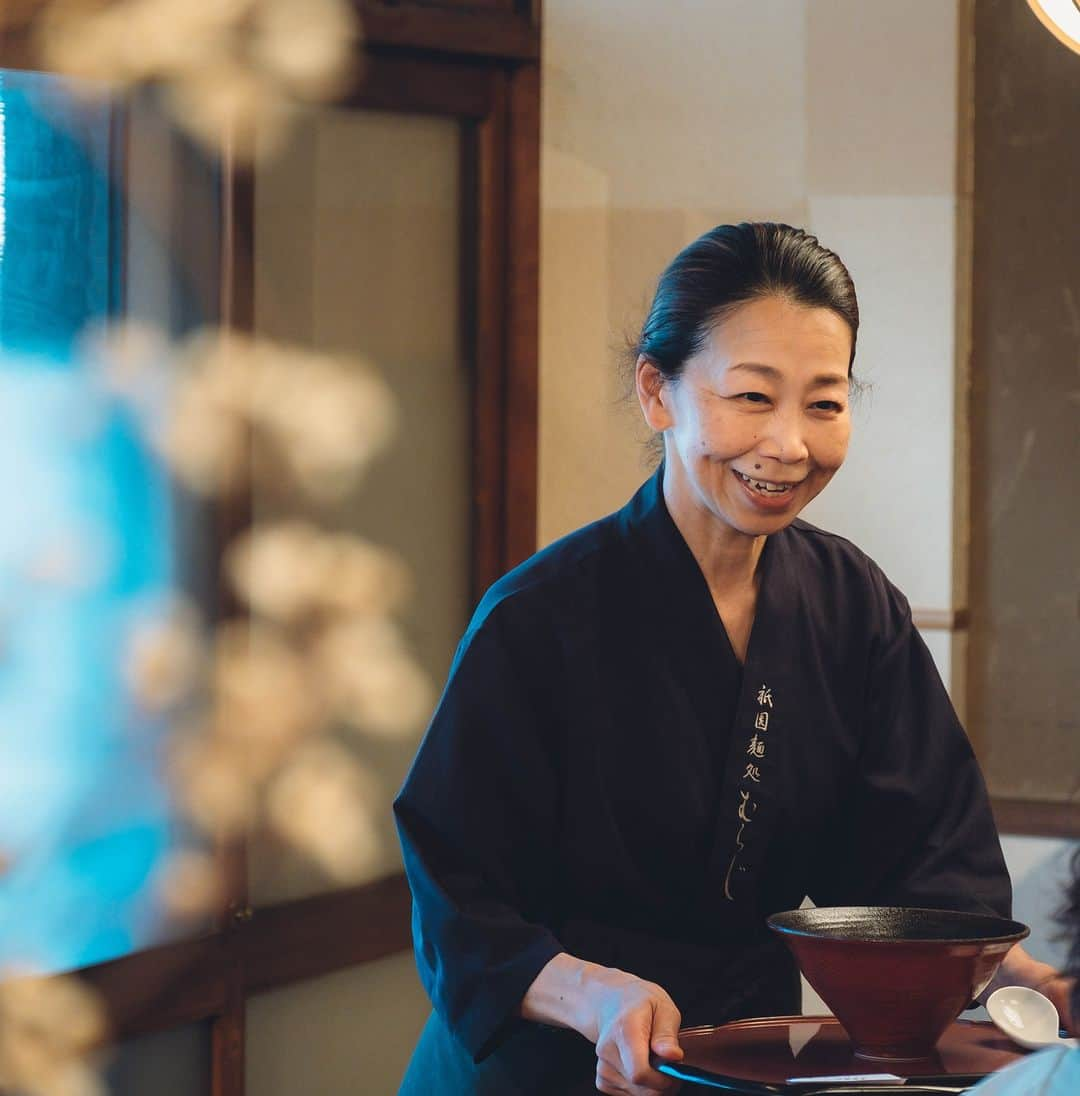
[767,488]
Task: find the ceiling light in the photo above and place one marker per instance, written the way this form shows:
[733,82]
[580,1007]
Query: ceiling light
[1061,18]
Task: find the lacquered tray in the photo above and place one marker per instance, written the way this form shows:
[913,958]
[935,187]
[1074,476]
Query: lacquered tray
[812,1054]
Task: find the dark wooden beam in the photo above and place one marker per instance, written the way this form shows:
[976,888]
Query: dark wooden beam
[163,987]
[313,936]
[228,1041]
[18,50]
[474,32]
[192,980]
[522,339]
[1039,818]
[488,201]
[412,85]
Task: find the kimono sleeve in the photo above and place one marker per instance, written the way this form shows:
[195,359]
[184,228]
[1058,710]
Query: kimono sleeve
[916,827]
[477,820]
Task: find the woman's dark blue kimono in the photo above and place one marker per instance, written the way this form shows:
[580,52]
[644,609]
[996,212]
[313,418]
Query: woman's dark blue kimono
[603,777]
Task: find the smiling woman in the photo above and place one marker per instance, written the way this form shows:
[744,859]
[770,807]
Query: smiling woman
[777,431]
[749,444]
[683,718]
[743,367]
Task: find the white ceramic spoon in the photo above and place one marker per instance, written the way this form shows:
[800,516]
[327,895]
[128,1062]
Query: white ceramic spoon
[1027,1017]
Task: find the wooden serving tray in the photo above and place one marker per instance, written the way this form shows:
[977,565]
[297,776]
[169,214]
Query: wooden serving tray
[812,1054]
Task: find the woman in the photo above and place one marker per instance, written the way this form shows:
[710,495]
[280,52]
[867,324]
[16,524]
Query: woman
[684,717]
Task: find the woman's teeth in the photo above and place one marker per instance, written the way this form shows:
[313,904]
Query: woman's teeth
[765,486]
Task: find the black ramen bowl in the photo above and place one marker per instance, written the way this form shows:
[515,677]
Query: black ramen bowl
[895,977]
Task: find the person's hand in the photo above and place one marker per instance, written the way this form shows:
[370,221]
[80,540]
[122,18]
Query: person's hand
[633,1017]
[624,1016]
[1059,989]
[1020,969]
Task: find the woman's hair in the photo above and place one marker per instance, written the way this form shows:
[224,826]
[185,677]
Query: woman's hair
[729,266]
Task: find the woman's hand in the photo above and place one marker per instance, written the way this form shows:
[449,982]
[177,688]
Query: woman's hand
[633,1018]
[625,1016]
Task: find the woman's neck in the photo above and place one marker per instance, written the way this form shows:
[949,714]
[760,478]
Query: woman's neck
[728,559]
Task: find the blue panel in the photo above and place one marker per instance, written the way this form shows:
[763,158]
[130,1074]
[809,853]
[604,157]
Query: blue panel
[86,541]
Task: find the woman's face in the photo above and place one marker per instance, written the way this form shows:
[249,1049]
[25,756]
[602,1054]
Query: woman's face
[758,422]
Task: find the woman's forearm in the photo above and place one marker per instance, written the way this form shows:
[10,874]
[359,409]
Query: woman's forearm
[626,1018]
[562,995]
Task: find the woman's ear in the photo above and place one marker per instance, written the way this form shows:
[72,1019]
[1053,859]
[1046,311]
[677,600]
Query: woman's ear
[653,394]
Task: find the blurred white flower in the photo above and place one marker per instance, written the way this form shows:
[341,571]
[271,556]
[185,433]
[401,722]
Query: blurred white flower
[229,102]
[74,1079]
[322,803]
[48,1026]
[189,884]
[328,417]
[234,396]
[125,358]
[202,431]
[212,785]
[289,569]
[349,639]
[127,41]
[165,657]
[263,698]
[361,578]
[370,679]
[206,446]
[222,366]
[309,46]
[233,67]
[279,569]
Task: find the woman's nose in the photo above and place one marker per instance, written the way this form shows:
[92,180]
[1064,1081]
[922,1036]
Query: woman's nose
[783,441]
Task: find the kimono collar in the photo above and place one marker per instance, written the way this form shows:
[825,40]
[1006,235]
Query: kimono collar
[752,707]
[646,517]
[673,575]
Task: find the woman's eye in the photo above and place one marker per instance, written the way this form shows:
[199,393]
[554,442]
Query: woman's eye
[753,397]
[827,405]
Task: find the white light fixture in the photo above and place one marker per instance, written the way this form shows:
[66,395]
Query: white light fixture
[1061,18]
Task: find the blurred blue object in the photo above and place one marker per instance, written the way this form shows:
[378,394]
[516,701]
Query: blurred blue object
[86,542]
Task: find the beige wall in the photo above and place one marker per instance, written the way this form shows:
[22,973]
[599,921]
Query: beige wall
[347,1034]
